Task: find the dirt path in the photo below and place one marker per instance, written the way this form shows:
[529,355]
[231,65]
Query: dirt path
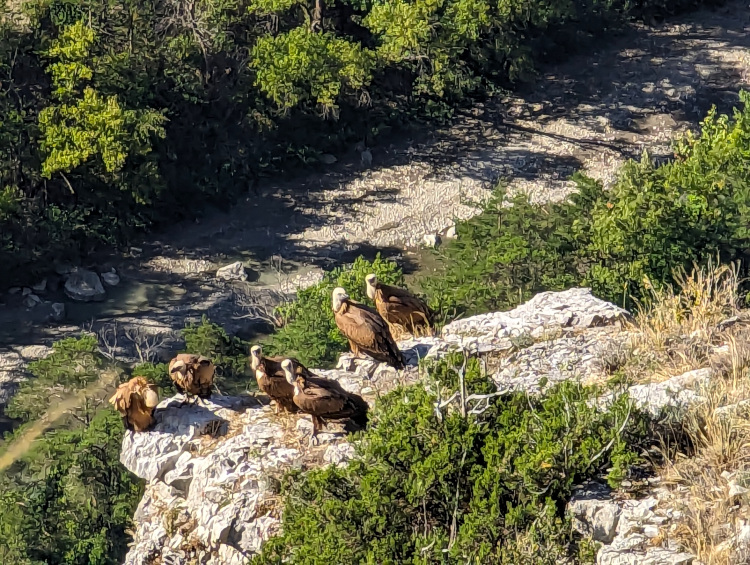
[590,113]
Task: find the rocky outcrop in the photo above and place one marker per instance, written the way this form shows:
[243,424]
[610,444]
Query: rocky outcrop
[213,469]
[14,367]
[233,272]
[634,532]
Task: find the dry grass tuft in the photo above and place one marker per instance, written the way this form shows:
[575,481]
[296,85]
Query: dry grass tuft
[678,328]
[718,430]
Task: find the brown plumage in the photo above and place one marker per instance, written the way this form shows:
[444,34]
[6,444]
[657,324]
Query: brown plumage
[366,330]
[136,400]
[273,364]
[193,375]
[277,388]
[325,400]
[399,307]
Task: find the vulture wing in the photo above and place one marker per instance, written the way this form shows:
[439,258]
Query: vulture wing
[278,389]
[203,379]
[365,327]
[320,401]
[399,306]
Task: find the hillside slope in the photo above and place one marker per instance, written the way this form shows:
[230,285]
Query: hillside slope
[214,472]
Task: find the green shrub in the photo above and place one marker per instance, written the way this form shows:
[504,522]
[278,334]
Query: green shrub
[158,374]
[504,256]
[69,500]
[309,331]
[73,364]
[655,220]
[229,353]
[488,488]
[659,218]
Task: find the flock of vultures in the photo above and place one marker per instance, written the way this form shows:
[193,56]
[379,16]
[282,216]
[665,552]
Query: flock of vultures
[289,384]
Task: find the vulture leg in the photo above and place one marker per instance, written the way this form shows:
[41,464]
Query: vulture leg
[278,407]
[355,349]
[314,435]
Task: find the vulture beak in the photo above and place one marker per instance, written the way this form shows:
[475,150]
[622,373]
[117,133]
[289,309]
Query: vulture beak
[286,364]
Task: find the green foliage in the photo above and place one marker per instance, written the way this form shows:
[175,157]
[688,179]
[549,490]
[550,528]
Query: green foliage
[309,330]
[654,220]
[73,364]
[487,488]
[229,354]
[660,218]
[69,500]
[301,65]
[157,374]
[112,115]
[504,256]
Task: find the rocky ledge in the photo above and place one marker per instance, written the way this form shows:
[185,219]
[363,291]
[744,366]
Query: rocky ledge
[213,470]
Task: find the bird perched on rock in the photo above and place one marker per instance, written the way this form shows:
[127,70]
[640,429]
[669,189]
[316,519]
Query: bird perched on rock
[273,364]
[399,307]
[366,330]
[136,400]
[271,379]
[277,388]
[325,400]
[193,375]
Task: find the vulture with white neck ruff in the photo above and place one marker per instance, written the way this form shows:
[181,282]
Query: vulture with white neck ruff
[366,330]
[399,307]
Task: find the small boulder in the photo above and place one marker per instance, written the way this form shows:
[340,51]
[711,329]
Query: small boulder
[84,286]
[233,272]
[41,286]
[595,513]
[26,291]
[450,233]
[431,240]
[31,300]
[111,278]
[58,312]
[14,290]
[328,159]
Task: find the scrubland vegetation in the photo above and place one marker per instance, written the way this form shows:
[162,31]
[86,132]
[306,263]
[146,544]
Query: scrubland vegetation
[93,118]
[114,115]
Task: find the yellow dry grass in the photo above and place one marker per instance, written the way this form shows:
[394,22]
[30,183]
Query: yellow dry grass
[718,430]
[677,328]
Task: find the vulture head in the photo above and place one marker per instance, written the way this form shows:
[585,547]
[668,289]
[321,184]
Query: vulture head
[179,367]
[256,354]
[372,284]
[288,367]
[150,398]
[339,295]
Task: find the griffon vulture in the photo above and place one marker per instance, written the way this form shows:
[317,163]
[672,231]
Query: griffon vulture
[273,364]
[193,375]
[366,330]
[136,400]
[325,400]
[399,307]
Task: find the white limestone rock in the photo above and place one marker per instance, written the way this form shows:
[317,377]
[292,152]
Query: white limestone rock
[233,272]
[676,394]
[594,513]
